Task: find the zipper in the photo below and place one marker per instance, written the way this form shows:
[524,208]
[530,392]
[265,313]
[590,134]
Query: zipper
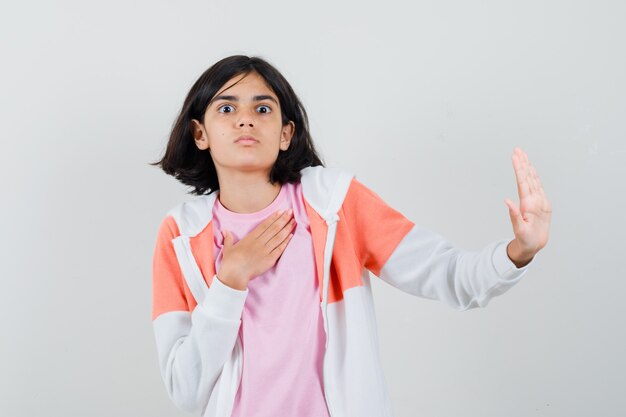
[330,412]
[328,250]
[326,389]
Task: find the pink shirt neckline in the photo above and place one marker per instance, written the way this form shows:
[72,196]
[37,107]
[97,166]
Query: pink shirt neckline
[272,207]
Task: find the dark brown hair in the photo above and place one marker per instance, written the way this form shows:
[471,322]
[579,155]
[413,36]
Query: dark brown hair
[194,167]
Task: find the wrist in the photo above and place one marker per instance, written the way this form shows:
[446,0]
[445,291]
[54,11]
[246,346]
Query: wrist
[232,279]
[519,257]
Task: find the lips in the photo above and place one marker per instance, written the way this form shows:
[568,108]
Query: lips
[246,139]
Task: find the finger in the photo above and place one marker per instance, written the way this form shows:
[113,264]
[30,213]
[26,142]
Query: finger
[538,181]
[275,240]
[228,241]
[521,174]
[514,214]
[533,180]
[529,179]
[524,155]
[534,185]
[281,248]
[540,187]
[276,227]
[527,172]
[267,223]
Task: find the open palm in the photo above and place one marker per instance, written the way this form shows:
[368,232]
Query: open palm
[531,221]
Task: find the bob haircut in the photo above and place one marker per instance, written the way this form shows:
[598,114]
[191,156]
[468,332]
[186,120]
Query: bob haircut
[195,167]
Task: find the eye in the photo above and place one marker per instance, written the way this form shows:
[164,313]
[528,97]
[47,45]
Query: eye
[266,109]
[225,106]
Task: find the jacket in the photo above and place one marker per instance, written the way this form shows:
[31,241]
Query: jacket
[354,233]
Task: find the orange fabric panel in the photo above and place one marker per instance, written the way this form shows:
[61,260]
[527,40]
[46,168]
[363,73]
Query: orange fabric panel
[374,227]
[368,231]
[169,289]
[345,269]
[202,246]
[343,260]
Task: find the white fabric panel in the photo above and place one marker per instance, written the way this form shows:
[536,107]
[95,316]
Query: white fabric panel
[193,216]
[427,265]
[193,350]
[190,269]
[357,387]
[325,189]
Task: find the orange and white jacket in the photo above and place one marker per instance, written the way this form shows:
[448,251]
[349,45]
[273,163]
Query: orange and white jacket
[196,324]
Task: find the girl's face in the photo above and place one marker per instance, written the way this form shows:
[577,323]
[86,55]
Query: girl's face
[248,110]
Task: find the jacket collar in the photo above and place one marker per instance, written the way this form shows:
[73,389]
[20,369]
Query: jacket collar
[324,189]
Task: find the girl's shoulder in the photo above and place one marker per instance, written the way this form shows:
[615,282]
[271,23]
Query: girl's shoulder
[325,188]
[194,215]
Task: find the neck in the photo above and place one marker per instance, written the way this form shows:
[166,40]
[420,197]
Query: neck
[244,192]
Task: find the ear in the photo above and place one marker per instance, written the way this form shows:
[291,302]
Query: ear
[286,135]
[199,135]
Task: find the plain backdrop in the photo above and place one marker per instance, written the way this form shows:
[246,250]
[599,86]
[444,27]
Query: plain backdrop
[424,101]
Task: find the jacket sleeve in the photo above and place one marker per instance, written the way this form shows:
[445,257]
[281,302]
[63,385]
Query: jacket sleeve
[192,346]
[421,262]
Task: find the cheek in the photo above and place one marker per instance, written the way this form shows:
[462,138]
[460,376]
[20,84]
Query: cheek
[217,130]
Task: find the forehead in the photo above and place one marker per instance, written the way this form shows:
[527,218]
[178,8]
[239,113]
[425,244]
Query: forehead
[246,84]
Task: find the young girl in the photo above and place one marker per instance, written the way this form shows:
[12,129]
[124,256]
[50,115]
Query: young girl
[262,304]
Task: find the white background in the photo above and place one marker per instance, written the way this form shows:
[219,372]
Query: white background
[423,101]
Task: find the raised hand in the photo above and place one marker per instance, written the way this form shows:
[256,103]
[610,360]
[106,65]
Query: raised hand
[257,252]
[531,220]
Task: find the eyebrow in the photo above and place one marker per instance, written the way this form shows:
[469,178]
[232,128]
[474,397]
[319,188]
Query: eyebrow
[235,98]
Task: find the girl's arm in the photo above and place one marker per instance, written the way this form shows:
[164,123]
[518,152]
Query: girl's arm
[426,264]
[192,346]
[421,262]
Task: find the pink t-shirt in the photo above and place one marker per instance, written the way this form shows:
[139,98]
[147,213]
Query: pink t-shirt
[282,328]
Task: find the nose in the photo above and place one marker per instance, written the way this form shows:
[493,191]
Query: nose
[246,119]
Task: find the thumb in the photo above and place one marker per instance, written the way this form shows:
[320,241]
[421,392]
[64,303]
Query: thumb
[514,213]
[228,239]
